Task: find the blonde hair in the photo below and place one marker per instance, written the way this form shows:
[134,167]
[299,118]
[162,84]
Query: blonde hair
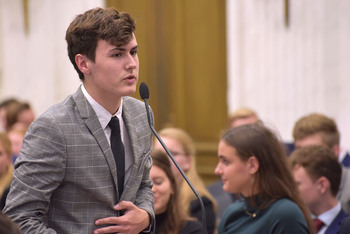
[317,123]
[187,195]
[241,113]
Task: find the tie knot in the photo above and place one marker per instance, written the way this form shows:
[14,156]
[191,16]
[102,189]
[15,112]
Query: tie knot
[114,125]
[319,224]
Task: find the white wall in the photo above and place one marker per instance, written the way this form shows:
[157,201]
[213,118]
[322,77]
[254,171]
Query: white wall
[287,72]
[35,67]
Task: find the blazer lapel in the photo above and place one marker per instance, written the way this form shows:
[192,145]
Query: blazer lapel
[130,126]
[335,225]
[91,121]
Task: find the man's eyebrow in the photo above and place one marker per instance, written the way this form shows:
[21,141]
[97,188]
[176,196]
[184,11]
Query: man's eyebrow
[123,49]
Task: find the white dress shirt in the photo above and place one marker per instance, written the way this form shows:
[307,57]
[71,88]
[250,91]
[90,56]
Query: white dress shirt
[104,117]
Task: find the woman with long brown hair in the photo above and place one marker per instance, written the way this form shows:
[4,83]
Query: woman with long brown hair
[252,163]
[181,145]
[170,217]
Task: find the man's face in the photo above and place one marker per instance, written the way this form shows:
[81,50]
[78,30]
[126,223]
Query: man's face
[308,189]
[115,71]
[314,139]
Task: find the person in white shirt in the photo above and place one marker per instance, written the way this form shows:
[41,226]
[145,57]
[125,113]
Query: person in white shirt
[317,173]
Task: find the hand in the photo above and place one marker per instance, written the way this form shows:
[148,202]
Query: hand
[134,220]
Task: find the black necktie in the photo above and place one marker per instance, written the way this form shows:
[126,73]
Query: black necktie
[118,152]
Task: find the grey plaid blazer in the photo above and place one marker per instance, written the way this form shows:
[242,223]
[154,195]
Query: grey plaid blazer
[65,177]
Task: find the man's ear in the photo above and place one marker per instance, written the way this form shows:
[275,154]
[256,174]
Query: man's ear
[323,184]
[82,63]
[253,164]
[336,150]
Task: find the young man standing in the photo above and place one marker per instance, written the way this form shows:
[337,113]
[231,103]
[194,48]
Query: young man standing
[317,174]
[84,165]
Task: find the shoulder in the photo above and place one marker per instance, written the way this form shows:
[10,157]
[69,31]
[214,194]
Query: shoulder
[285,216]
[59,110]
[192,227]
[345,226]
[285,209]
[345,176]
[233,212]
[196,209]
[195,204]
[133,103]
[135,109]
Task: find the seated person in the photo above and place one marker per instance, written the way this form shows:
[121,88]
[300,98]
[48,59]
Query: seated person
[181,145]
[318,129]
[6,167]
[253,164]
[242,116]
[170,217]
[317,173]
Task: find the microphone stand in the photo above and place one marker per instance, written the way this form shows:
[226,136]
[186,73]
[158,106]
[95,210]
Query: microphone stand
[174,161]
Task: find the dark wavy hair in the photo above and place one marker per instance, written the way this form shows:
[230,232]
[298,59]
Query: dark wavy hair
[95,24]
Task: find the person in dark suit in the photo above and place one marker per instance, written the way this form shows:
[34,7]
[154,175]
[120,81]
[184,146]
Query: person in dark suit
[317,173]
[318,129]
[68,179]
[345,226]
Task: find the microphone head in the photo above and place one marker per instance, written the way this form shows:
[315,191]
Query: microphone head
[144,93]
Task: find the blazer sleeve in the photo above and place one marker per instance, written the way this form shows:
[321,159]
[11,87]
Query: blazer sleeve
[144,197]
[39,170]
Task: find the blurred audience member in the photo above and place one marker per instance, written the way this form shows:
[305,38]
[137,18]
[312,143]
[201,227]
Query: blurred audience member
[6,168]
[16,134]
[318,129]
[181,146]
[245,115]
[252,163]
[317,173]
[242,116]
[171,218]
[3,111]
[7,226]
[19,112]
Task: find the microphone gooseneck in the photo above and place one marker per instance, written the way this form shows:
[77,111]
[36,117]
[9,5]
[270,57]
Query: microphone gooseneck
[144,93]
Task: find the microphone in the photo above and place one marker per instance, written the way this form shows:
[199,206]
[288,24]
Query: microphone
[144,93]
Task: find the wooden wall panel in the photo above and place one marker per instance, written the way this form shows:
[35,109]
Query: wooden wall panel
[183,61]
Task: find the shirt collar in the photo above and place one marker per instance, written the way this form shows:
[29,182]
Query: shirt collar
[328,216]
[102,114]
